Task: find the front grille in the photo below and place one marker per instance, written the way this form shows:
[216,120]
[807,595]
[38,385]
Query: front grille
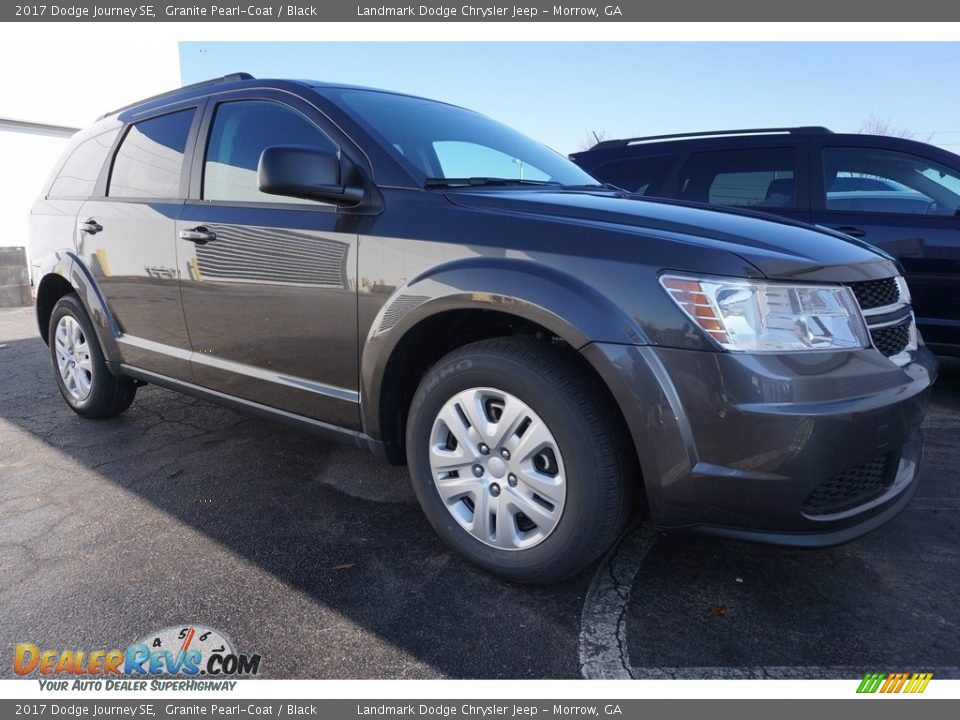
[876,293]
[892,340]
[851,488]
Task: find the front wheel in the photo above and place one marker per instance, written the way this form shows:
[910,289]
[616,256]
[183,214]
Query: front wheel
[519,458]
[85,382]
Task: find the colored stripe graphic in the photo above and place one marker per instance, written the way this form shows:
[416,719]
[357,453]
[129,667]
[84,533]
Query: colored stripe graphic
[894,683]
[870,683]
[900,681]
[918,683]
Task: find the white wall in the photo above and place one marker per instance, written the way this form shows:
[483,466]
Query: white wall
[74,83]
[27,159]
[67,84]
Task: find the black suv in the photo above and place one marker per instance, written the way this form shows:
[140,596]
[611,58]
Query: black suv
[417,279]
[899,195]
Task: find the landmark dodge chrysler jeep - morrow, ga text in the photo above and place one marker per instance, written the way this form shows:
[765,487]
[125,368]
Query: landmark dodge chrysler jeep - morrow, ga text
[417,279]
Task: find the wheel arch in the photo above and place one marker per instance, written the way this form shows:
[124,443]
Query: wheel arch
[63,273]
[465,301]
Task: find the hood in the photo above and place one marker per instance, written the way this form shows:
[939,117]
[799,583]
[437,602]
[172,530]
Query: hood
[777,247]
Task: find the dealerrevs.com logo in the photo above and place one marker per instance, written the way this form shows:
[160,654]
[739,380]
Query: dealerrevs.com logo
[187,657]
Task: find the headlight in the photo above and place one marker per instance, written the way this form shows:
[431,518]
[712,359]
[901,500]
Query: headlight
[761,316]
[904,290]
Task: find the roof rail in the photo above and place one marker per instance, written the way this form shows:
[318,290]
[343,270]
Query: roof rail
[232,77]
[804,130]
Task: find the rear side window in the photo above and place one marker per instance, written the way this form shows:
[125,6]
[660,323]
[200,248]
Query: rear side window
[877,180]
[79,173]
[241,131]
[644,176]
[150,159]
[756,178]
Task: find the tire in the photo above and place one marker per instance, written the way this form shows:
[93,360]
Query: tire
[585,467]
[87,385]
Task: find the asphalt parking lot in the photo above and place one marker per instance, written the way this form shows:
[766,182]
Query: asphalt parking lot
[318,558]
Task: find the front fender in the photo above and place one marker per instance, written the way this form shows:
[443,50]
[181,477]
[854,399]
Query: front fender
[564,305]
[67,265]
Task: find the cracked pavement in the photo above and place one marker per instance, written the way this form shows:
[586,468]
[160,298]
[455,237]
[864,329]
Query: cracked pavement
[318,557]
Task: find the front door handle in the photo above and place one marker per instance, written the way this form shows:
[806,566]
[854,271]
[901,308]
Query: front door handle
[199,235]
[90,226]
[851,230]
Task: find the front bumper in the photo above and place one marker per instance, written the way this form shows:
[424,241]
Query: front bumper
[799,449]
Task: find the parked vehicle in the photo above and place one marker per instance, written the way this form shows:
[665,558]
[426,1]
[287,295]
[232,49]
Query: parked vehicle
[899,195]
[419,280]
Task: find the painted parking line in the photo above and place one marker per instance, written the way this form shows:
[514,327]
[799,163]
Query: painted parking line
[603,647]
[603,623]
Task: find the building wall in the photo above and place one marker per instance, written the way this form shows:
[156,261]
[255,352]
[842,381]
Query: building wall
[66,85]
[32,155]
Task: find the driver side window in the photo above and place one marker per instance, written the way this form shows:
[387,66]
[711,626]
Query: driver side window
[886,181]
[241,130]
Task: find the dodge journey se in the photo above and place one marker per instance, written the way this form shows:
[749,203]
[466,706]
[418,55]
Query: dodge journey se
[542,350]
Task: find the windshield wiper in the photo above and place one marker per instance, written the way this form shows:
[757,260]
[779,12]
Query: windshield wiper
[594,186]
[436,182]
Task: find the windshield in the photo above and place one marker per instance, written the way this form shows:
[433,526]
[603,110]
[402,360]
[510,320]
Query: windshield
[439,142]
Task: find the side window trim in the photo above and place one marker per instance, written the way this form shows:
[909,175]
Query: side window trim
[818,190]
[801,178]
[202,139]
[190,152]
[671,185]
[103,182]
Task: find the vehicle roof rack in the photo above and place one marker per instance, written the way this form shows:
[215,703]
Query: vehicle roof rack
[803,130]
[232,77]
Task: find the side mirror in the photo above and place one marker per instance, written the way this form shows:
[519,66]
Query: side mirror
[304,172]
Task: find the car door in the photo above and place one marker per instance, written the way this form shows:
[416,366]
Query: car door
[268,282]
[905,204]
[127,238]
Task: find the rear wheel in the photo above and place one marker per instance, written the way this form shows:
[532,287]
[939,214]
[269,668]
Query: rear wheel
[89,388]
[518,458]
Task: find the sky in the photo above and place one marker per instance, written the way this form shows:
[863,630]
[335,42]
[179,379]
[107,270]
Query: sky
[561,92]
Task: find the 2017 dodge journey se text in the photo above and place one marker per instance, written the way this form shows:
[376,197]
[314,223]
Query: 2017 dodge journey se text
[540,349]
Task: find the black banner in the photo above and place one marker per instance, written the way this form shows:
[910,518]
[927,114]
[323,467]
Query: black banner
[478,709]
[477,11]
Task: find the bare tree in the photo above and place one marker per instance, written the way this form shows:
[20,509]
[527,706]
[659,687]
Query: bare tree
[877,126]
[592,138]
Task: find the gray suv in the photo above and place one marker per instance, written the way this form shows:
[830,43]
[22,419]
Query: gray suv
[541,349]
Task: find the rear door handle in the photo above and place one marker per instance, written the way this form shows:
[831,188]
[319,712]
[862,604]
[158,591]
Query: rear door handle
[851,230]
[199,235]
[90,226]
